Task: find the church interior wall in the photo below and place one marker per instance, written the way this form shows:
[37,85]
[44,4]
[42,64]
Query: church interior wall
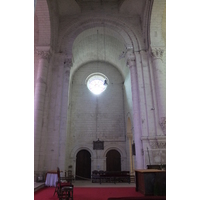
[70,112]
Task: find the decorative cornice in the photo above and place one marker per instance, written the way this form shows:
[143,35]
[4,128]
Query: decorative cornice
[157,53]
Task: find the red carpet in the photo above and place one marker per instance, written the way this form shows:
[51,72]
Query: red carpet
[83,193]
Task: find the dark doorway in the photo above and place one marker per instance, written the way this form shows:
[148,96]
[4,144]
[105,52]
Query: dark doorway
[83,165]
[113,161]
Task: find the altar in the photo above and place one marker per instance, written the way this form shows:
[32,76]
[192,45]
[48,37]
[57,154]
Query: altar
[151,182]
[51,178]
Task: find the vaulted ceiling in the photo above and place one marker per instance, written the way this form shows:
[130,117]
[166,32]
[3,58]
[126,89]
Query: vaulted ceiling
[105,37]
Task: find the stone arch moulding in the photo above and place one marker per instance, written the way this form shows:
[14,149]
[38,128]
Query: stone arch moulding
[67,39]
[76,149]
[112,147]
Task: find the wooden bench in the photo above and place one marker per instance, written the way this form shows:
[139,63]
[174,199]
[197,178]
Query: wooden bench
[110,177]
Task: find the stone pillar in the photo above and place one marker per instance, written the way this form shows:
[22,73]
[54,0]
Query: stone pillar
[130,138]
[136,110]
[159,78]
[64,110]
[55,141]
[39,98]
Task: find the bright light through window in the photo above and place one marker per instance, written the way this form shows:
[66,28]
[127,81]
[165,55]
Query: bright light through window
[97,83]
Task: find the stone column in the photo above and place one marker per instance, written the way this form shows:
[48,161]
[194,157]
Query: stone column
[136,109]
[63,114]
[130,138]
[159,78]
[39,98]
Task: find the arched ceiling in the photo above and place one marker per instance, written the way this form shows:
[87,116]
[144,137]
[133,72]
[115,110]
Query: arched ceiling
[101,39]
[99,44]
[127,7]
[94,42]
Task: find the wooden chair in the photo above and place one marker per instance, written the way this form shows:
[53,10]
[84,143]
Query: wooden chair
[66,192]
[63,189]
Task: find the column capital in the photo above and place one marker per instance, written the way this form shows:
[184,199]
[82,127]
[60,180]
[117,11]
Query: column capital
[130,59]
[43,51]
[157,52]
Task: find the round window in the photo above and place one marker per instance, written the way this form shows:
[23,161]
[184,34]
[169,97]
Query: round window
[97,83]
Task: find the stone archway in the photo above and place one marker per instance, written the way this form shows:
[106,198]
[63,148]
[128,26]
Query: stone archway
[83,165]
[113,160]
[130,38]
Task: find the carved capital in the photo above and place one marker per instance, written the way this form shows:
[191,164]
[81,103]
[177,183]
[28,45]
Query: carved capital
[130,59]
[157,53]
[163,124]
[43,54]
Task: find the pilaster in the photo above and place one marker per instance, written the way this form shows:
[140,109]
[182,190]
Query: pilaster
[39,99]
[159,79]
[64,110]
[131,63]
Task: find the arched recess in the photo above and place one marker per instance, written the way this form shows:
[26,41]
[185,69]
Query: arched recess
[83,165]
[113,160]
[75,150]
[118,148]
[124,31]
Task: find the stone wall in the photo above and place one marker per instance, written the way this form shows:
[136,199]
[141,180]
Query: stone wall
[95,117]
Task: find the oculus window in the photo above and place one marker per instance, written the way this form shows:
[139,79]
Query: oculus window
[97,83]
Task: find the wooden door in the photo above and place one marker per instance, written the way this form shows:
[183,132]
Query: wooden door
[113,161]
[83,165]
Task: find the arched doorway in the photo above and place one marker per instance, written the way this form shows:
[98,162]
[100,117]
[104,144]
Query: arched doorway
[113,161]
[83,165]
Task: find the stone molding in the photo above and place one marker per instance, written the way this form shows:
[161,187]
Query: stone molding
[122,27]
[157,53]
